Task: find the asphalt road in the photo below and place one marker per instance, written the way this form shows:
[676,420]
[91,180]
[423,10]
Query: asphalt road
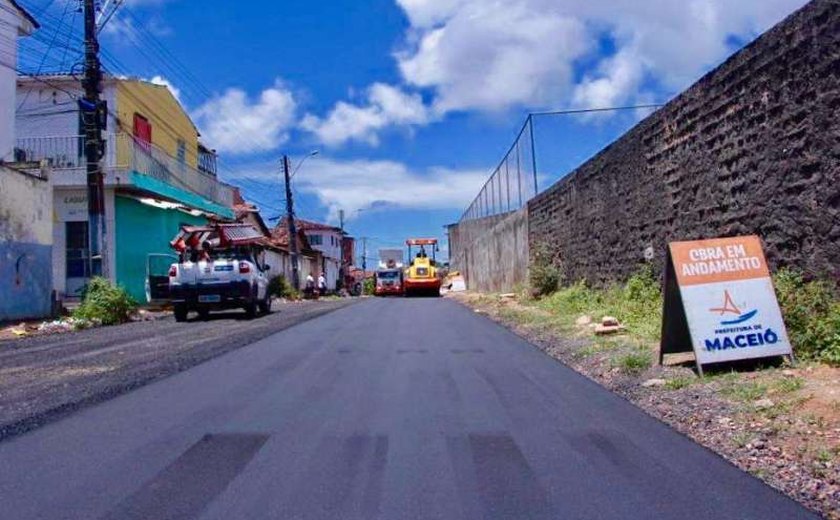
[387,409]
[44,378]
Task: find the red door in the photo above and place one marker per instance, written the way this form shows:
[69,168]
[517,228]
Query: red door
[143,131]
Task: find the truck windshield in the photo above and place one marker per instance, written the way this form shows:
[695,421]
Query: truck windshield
[388,275]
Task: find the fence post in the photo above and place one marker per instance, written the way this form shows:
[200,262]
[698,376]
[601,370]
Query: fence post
[533,152]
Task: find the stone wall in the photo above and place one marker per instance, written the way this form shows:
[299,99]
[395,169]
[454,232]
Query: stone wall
[491,253]
[752,148]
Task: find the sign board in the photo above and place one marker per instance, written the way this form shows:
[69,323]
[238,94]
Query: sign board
[70,205]
[719,300]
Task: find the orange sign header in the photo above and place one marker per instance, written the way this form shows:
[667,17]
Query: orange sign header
[718,260]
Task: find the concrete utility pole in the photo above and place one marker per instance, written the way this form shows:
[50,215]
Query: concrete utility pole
[341,250]
[93,114]
[290,222]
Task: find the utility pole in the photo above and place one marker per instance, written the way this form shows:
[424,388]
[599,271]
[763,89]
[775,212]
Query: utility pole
[93,112]
[364,255]
[341,246]
[290,222]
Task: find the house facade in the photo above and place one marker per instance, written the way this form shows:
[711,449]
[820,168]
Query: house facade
[327,240]
[25,196]
[157,174]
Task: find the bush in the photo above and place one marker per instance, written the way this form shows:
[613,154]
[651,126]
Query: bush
[811,310]
[281,288]
[105,303]
[369,286]
[637,304]
[543,275]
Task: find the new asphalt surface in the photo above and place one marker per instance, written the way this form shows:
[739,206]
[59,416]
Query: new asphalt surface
[387,409]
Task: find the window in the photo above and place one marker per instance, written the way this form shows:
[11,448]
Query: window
[315,240]
[182,151]
[143,131]
[77,249]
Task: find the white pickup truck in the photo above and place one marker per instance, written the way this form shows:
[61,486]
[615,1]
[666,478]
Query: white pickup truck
[219,269]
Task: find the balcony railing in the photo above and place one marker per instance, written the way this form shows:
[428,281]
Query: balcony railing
[124,152]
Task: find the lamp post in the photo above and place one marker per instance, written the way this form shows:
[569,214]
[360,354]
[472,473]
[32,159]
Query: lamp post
[290,216]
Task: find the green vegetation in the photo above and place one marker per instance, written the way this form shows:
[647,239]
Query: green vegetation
[633,363]
[744,390]
[281,288]
[680,382]
[811,310]
[787,385]
[105,303]
[369,286]
[544,276]
[637,304]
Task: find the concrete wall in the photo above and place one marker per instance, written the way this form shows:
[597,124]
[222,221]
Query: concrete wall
[491,253]
[12,24]
[25,246]
[753,147]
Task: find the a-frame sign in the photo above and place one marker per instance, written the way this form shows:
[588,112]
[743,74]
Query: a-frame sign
[719,302]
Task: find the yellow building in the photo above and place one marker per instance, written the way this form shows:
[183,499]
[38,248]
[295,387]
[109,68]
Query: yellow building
[157,176]
[149,112]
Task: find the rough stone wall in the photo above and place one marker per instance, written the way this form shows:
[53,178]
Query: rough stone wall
[491,253]
[753,147]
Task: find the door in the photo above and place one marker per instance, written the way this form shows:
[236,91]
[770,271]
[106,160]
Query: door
[77,257]
[157,276]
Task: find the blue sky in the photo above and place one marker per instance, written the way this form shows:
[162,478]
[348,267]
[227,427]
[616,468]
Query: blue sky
[410,103]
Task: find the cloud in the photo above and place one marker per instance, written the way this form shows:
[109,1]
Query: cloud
[493,55]
[364,184]
[160,80]
[490,55]
[384,106]
[236,124]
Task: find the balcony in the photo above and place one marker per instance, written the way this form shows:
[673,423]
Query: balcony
[124,156]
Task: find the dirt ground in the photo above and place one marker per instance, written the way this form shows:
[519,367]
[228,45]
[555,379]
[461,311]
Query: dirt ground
[781,424]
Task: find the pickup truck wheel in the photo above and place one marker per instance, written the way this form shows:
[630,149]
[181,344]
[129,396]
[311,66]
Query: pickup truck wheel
[265,305]
[251,310]
[180,313]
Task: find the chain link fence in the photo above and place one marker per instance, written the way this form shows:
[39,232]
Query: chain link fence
[512,183]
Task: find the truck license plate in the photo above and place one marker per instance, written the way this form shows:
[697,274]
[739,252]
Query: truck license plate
[209,298]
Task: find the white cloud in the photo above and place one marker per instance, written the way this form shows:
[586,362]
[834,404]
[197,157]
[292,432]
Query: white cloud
[235,123]
[363,184]
[493,54]
[385,105]
[496,55]
[490,55]
[160,80]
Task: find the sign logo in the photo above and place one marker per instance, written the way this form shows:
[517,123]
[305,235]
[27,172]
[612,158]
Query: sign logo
[729,307]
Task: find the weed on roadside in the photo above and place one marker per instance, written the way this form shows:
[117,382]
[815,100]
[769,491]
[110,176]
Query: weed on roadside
[633,363]
[680,382]
[744,391]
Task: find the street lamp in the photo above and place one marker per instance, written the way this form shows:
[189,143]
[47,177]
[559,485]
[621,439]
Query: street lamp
[299,164]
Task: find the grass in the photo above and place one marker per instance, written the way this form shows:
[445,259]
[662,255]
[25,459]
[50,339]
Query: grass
[679,383]
[637,304]
[741,439]
[744,390]
[633,363]
[787,385]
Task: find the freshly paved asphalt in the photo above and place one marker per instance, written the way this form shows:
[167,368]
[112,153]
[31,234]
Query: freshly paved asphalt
[387,409]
